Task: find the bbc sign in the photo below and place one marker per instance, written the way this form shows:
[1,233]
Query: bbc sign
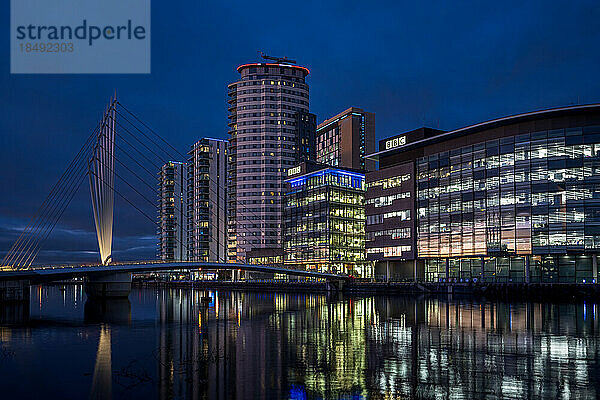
[395,142]
[294,170]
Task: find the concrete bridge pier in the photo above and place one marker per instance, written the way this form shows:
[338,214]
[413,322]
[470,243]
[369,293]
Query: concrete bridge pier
[14,302]
[109,285]
[14,291]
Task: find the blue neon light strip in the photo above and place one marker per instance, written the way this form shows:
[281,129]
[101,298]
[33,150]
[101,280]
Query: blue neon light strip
[328,171]
[302,180]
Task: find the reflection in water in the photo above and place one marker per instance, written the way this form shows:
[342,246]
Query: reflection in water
[175,344]
[105,311]
[433,348]
[12,313]
[276,346]
[115,311]
[102,379]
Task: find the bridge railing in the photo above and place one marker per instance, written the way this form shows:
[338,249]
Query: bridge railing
[150,262]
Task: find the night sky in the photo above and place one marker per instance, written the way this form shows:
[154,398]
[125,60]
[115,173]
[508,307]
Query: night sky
[443,65]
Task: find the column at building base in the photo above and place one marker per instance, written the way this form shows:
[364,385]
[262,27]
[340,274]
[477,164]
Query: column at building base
[415,271]
[482,269]
[387,271]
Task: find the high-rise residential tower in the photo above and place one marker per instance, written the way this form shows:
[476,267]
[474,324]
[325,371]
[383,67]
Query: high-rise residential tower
[172,226]
[264,109]
[207,201]
[345,139]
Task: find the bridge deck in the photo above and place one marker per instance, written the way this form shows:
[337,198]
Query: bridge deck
[41,274]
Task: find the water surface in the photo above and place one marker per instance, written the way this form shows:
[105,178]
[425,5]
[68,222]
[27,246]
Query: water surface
[182,343]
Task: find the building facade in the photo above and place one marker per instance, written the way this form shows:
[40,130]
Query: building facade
[207,201]
[265,106]
[172,224]
[514,199]
[324,220]
[345,139]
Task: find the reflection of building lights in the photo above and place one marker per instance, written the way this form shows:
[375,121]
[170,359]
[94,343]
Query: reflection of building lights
[297,393]
[216,304]
[366,347]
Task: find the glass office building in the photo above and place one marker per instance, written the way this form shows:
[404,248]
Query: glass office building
[324,220]
[510,200]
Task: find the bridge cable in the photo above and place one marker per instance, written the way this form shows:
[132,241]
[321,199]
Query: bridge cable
[34,255]
[44,214]
[153,220]
[140,194]
[166,142]
[181,155]
[41,210]
[164,161]
[67,194]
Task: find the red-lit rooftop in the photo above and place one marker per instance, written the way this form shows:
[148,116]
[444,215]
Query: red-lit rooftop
[273,65]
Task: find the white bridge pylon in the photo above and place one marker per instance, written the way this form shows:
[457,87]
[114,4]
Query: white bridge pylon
[102,180]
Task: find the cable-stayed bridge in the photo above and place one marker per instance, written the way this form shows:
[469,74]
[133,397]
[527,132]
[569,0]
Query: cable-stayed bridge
[60,272]
[141,154]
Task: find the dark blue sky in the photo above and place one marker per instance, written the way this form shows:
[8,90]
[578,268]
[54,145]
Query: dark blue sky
[413,63]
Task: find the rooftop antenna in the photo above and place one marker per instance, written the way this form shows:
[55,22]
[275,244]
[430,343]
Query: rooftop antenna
[276,59]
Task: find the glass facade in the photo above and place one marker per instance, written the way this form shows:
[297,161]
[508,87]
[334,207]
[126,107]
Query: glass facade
[324,220]
[511,206]
[328,146]
[390,214]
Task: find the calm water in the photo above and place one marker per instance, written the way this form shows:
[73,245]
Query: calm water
[167,343]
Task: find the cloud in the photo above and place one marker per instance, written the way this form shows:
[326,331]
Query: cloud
[73,245]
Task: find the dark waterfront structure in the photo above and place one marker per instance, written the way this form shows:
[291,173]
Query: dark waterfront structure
[515,199]
[344,140]
[324,220]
